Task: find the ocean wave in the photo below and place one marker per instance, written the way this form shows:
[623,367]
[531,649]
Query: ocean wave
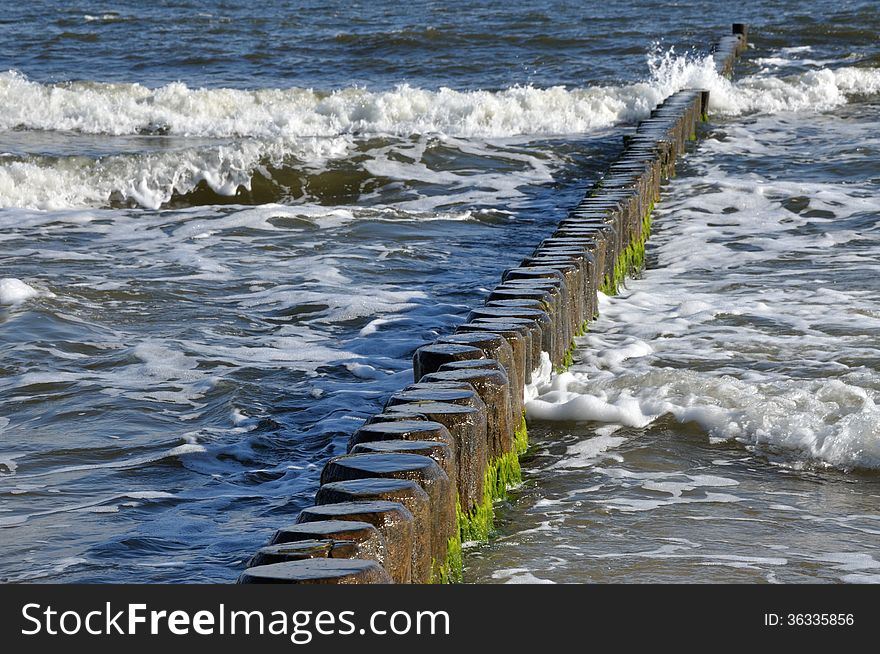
[815,90]
[258,171]
[126,109]
[150,180]
[271,127]
[823,422]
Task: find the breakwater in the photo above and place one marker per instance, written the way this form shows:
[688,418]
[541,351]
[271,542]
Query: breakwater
[421,477]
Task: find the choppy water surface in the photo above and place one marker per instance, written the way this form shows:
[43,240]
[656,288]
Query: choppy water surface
[720,421]
[218,251]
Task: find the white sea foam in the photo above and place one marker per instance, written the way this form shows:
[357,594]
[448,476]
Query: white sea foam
[117,109]
[541,377]
[7,459]
[815,90]
[277,125]
[15,291]
[149,495]
[748,327]
[519,576]
[150,180]
[711,559]
[586,453]
[827,419]
[364,371]
[108,17]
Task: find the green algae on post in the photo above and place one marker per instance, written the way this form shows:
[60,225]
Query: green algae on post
[450,570]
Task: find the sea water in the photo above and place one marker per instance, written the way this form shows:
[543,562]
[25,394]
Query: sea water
[223,232]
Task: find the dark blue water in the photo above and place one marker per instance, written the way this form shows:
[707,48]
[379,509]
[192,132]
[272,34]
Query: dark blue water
[462,45]
[224,229]
[327,45]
